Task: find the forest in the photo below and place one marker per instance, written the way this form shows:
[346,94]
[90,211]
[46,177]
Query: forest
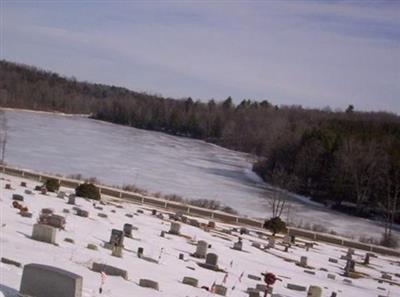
[349,160]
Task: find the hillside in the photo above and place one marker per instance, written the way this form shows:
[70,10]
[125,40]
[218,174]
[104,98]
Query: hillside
[349,160]
[238,269]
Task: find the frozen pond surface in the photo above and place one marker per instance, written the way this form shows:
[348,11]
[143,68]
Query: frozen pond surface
[118,155]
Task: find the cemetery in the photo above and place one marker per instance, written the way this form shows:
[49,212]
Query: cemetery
[68,248]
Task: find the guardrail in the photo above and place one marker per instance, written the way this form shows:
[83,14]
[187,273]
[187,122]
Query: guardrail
[197,211]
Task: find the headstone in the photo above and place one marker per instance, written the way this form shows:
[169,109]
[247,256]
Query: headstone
[220,290]
[314,291]
[257,245]
[293,239]
[194,223]
[17,197]
[56,221]
[244,231]
[26,214]
[191,281]
[148,283]
[181,256]
[61,194]
[91,246]
[386,276]
[44,233]
[69,240]
[296,287]
[117,238]
[162,234]
[82,213]
[23,184]
[331,276]
[71,199]
[8,186]
[238,245]
[286,239]
[201,249]
[28,192]
[254,277]
[303,261]
[47,211]
[253,293]
[43,281]
[366,259]
[127,230]
[129,215]
[154,212]
[102,215]
[347,281]
[175,228]
[334,294]
[309,272]
[43,191]
[212,259]
[10,262]
[109,270]
[333,260]
[140,252]
[211,224]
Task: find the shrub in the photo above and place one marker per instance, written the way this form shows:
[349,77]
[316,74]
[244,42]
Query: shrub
[389,241]
[275,225]
[51,185]
[88,190]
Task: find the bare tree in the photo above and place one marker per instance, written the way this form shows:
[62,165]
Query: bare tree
[3,135]
[359,160]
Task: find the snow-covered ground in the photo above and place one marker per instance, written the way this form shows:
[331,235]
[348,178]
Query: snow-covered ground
[16,244]
[157,162]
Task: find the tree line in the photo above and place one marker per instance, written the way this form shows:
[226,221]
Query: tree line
[349,159]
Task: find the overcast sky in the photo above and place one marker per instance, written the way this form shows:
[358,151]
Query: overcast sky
[311,53]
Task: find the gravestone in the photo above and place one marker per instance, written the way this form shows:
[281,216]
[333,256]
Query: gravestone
[102,215]
[244,231]
[181,256]
[56,221]
[201,249]
[333,260]
[314,291]
[303,261]
[8,186]
[61,194]
[17,197]
[175,228]
[254,277]
[44,233]
[82,213]
[43,191]
[162,234]
[28,192]
[71,199]
[23,184]
[257,245]
[220,290]
[47,211]
[129,215]
[366,259]
[253,293]
[10,262]
[140,252]
[191,281]
[154,212]
[43,281]
[127,230]
[148,283]
[331,276]
[296,287]
[116,238]
[211,224]
[109,270]
[238,245]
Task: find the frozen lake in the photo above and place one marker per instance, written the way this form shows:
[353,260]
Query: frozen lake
[118,155]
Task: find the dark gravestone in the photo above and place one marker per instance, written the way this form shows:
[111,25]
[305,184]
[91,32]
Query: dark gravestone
[109,270]
[117,238]
[71,199]
[128,230]
[44,281]
[17,197]
[148,283]
[23,184]
[10,262]
[140,252]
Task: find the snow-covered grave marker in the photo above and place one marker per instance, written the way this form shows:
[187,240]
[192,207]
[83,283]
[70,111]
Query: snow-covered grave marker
[201,249]
[175,228]
[43,281]
[44,233]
